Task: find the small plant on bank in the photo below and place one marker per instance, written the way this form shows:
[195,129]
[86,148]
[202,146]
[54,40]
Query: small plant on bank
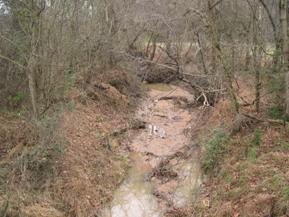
[216,148]
[254,145]
[285,192]
[257,138]
[17,97]
[252,153]
[275,112]
[35,164]
[69,79]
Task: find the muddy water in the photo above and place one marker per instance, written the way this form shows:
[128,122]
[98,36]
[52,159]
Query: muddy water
[134,197]
[164,136]
[188,187]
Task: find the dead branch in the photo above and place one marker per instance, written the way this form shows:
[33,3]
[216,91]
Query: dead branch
[271,121]
[171,57]
[202,54]
[205,103]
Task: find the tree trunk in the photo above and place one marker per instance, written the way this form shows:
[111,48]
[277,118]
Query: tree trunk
[285,49]
[154,41]
[202,54]
[214,36]
[32,91]
[31,69]
[256,56]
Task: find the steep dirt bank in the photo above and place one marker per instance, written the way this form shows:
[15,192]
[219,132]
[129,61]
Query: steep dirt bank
[165,170]
[247,166]
[69,162]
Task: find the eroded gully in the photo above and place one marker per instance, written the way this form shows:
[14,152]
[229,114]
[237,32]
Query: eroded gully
[161,177]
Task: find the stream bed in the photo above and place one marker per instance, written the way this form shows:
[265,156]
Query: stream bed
[150,189]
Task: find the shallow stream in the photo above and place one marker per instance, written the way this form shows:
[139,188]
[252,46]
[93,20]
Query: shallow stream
[165,135]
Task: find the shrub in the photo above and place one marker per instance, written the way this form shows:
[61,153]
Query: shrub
[216,148]
[17,97]
[275,112]
[36,164]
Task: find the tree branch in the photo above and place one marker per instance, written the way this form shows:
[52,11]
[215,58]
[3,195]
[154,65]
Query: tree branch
[12,61]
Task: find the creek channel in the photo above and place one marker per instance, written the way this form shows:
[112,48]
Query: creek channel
[165,170]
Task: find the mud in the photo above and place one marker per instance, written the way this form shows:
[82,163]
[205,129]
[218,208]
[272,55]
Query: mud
[157,181]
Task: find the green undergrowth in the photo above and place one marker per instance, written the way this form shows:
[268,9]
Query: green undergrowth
[216,148]
[253,145]
[29,169]
[28,177]
[247,179]
[250,170]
